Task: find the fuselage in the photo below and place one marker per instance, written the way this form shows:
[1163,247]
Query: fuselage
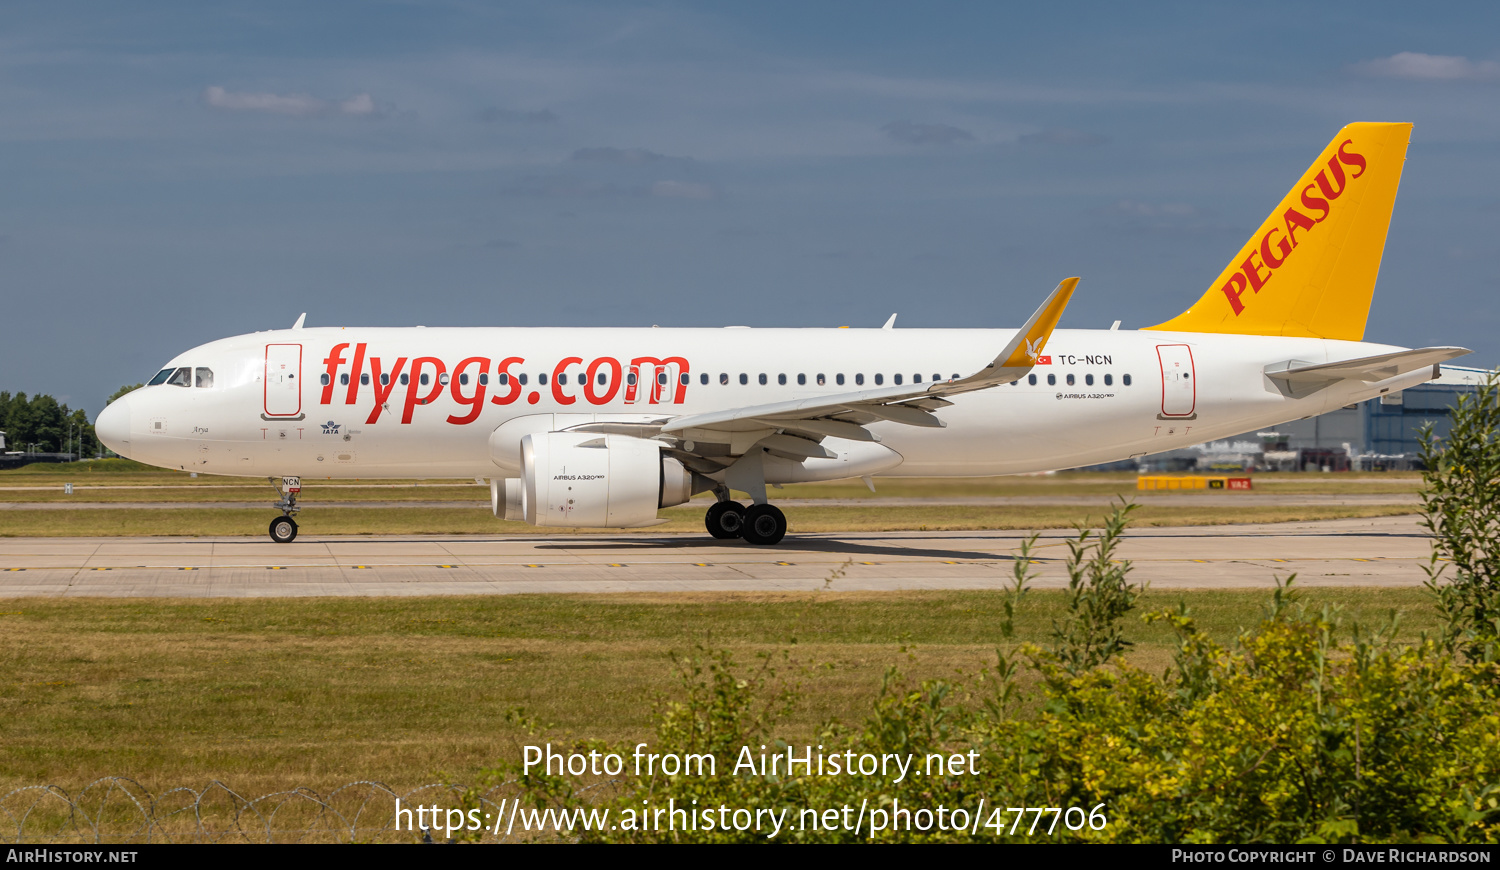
[446,402]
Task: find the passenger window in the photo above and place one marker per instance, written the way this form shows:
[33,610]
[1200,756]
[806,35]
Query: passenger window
[703,379]
[484,379]
[541,379]
[443,379]
[744,379]
[323,379]
[822,381]
[801,380]
[859,378]
[562,379]
[879,379]
[763,379]
[839,378]
[364,380]
[1052,380]
[683,379]
[504,379]
[183,377]
[1013,383]
[600,378]
[723,378]
[937,377]
[463,379]
[781,380]
[661,378]
[344,379]
[1089,380]
[630,379]
[1125,379]
[895,379]
[385,379]
[161,377]
[1109,379]
[956,376]
[1070,380]
[522,378]
[405,379]
[425,378]
[1031,379]
[916,379]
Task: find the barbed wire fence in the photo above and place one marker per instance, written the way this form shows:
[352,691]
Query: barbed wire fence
[118,809]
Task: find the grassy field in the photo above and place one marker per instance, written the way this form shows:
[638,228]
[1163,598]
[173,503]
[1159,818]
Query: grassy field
[269,694]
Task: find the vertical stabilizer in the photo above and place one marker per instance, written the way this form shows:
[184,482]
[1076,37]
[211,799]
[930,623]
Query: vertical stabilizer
[1310,269]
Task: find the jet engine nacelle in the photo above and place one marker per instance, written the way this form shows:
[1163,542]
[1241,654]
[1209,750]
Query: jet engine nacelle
[600,481]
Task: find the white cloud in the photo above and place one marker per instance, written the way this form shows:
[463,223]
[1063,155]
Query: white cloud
[1416,66]
[683,190]
[926,134]
[621,156]
[1134,208]
[300,105]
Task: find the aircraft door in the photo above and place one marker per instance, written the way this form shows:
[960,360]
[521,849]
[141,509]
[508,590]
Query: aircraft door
[283,384]
[1179,393]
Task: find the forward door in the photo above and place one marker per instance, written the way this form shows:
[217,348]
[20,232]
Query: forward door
[283,384]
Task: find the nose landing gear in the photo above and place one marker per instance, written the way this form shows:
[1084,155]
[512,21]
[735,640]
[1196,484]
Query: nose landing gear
[284,528]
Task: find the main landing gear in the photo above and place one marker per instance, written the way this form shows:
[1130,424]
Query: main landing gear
[758,524]
[284,528]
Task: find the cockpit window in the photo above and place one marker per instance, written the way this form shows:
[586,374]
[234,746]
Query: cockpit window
[205,377]
[161,377]
[183,377]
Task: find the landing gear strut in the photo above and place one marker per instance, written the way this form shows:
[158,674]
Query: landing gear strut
[284,528]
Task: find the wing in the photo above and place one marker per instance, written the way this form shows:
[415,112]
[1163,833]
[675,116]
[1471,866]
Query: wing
[794,428]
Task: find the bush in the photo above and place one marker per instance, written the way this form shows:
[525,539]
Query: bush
[1461,508]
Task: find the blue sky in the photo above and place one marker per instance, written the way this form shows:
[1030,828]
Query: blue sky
[178,172]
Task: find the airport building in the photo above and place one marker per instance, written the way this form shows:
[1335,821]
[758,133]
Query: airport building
[1379,434]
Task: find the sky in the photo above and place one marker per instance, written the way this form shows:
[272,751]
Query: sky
[174,173]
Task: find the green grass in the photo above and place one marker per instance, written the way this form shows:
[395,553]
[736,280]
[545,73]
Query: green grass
[217,521]
[268,694]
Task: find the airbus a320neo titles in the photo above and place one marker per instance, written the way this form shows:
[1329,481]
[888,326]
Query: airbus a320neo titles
[600,428]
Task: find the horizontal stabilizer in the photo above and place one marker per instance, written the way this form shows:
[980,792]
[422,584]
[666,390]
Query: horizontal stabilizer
[1368,369]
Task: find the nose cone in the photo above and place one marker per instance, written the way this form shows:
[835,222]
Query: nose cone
[113,426]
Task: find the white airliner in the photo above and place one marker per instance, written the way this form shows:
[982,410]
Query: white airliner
[599,428]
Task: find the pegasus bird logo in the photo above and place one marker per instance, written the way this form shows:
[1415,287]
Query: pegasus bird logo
[1034,347]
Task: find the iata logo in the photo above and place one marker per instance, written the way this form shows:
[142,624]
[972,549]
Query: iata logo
[1273,253]
[330,428]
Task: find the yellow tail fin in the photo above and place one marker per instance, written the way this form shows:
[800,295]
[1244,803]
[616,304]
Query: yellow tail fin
[1310,269]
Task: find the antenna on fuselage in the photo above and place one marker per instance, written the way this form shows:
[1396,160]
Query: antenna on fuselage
[298,324]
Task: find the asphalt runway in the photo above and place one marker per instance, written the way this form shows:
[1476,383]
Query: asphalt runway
[1383,551]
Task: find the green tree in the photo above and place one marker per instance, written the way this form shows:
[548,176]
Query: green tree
[1461,508]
